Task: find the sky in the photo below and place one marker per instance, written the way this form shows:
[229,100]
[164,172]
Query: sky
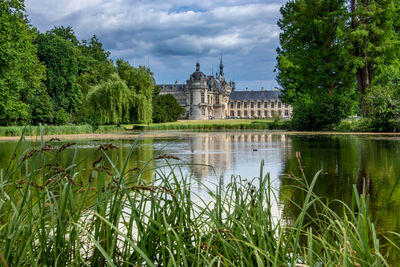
[170,36]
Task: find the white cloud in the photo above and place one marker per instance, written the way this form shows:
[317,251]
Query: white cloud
[175,31]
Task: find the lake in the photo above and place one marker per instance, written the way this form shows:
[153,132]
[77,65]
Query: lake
[213,157]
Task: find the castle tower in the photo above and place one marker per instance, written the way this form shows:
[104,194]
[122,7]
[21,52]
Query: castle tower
[196,90]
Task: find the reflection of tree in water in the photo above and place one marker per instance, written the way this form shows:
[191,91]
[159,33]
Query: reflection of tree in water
[345,161]
[88,153]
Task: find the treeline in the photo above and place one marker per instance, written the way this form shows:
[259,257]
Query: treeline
[54,78]
[340,58]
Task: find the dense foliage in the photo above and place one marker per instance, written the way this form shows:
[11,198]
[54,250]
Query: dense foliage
[382,100]
[166,109]
[21,72]
[313,69]
[374,42]
[331,52]
[54,78]
[59,56]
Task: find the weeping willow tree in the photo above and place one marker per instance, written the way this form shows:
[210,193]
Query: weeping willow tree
[141,84]
[112,101]
[141,109]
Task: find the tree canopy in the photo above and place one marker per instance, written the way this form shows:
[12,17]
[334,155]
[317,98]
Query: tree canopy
[59,56]
[166,108]
[330,53]
[21,73]
[312,67]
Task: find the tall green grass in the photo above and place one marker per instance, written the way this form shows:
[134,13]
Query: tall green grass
[54,216]
[56,129]
[209,126]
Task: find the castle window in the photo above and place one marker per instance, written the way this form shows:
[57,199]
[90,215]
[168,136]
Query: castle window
[245,113]
[258,104]
[251,104]
[245,106]
[217,100]
[265,104]
[279,113]
[279,104]
[208,98]
[259,113]
[252,113]
[191,98]
[265,113]
[238,113]
[202,98]
[272,104]
[232,113]
[286,113]
[231,104]
[238,104]
[203,111]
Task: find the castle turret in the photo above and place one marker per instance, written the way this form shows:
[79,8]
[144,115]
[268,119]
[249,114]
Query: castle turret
[197,87]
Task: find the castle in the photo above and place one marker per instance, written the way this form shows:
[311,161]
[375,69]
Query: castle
[213,97]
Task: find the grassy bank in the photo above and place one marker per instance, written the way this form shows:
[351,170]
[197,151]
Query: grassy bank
[56,216]
[57,129]
[210,125]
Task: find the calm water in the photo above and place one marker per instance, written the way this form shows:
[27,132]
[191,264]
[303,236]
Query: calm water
[343,159]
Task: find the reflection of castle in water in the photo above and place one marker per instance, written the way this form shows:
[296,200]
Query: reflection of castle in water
[237,153]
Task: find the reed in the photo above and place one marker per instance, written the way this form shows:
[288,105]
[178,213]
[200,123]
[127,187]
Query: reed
[56,129]
[55,216]
[219,125]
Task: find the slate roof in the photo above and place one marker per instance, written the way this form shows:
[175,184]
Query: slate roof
[254,95]
[172,87]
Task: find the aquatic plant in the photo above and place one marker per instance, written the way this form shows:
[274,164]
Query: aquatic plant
[55,215]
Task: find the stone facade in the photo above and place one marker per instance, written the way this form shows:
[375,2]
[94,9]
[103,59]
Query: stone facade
[258,104]
[213,97]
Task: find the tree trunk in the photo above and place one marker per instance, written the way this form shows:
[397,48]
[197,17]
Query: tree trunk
[363,73]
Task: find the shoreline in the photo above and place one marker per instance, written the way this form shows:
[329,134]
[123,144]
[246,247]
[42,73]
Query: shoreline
[171,133]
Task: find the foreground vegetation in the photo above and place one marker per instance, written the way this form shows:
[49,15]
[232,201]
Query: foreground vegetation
[58,130]
[55,215]
[210,125]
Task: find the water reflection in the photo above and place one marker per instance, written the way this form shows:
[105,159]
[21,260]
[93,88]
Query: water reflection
[344,161]
[237,154]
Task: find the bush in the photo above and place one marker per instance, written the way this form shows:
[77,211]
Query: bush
[166,109]
[323,113]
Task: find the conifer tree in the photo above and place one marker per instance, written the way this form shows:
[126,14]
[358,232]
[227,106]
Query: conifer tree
[374,42]
[312,65]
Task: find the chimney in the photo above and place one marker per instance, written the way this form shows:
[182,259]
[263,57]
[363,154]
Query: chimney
[247,89]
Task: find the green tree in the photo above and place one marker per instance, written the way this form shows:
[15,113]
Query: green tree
[374,42]
[66,33]
[383,99]
[59,56]
[313,68]
[21,73]
[94,66]
[141,84]
[41,107]
[166,108]
[111,101]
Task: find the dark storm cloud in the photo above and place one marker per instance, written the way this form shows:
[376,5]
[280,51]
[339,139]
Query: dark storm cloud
[170,35]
